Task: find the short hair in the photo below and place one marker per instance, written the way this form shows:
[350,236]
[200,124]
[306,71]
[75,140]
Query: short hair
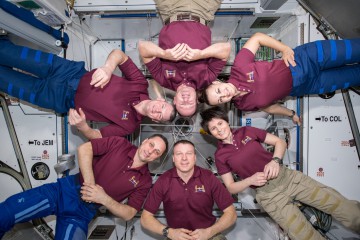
[211,113]
[184,141]
[203,98]
[163,138]
[172,115]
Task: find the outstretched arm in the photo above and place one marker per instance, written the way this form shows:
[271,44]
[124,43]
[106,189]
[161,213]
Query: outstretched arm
[102,75]
[225,221]
[149,50]
[281,110]
[260,39]
[95,193]
[85,158]
[216,50]
[149,222]
[78,119]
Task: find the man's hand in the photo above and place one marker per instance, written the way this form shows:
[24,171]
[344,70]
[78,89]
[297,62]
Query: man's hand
[201,234]
[93,193]
[77,119]
[288,57]
[271,170]
[192,54]
[176,53]
[101,77]
[296,119]
[180,234]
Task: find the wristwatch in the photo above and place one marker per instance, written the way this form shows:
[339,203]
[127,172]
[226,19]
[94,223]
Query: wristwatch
[165,231]
[278,160]
[293,113]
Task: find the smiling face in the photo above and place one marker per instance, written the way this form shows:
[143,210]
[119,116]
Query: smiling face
[185,100]
[184,158]
[220,129]
[151,149]
[159,110]
[219,93]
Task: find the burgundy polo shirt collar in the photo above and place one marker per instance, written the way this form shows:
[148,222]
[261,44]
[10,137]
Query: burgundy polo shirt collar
[143,169]
[188,83]
[239,87]
[222,145]
[142,97]
[195,175]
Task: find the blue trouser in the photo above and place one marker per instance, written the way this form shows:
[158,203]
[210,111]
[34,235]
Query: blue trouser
[54,84]
[322,66]
[61,199]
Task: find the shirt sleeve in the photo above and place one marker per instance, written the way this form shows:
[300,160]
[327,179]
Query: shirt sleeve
[244,57]
[259,134]
[103,145]
[137,198]
[221,165]
[220,194]
[155,68]
[115,130]
[131,72]
[215,67]
[155,197]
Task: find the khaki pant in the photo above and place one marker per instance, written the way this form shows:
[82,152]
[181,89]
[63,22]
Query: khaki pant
[204,9]
[218,236]
[276,198]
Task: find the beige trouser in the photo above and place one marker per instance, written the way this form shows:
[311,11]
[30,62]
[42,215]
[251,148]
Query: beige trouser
[218,236]
[276,198]
[204,9]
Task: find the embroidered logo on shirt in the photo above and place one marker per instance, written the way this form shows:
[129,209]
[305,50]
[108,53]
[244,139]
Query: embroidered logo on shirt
[125,115]
[133,181]
[250,76]
[170,73]
[246,140]
[200,189]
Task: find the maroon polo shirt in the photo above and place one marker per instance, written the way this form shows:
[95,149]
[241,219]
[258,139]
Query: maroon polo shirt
[198,74]
[114,104]
[113,157]
[246,156]
[188,205]
[265,82]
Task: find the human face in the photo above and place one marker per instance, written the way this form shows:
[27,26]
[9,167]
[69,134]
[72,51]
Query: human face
[159,110]
[185,100]
[220,129]
[151,149]
[184,158]
[219,92]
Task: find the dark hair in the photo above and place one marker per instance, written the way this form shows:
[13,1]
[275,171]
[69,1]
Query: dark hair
[203,98]
[209,114]
[184,141]
[172,115]
[163,138]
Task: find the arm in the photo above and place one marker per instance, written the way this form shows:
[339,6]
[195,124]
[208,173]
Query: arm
[102,75]
[225,221]
[85,158]
[95,193]
[258,179]
[271,169]
[149,222]
[260,39]
[281,110]
[149,50]
[217,50]
[78,119]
